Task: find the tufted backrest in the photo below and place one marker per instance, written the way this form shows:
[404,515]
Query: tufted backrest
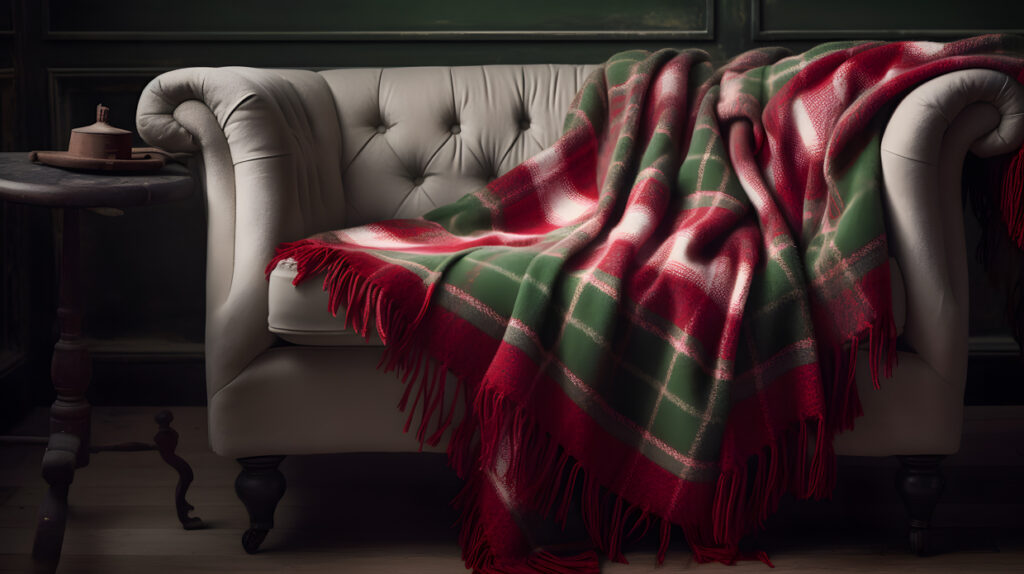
[417,138]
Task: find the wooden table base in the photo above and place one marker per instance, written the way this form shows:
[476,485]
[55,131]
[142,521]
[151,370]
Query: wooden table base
[59,463]
[70,417]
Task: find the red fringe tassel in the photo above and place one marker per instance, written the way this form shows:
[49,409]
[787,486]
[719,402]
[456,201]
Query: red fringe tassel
[547,476]
[1011,200]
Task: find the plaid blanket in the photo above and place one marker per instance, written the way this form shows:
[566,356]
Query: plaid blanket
[656,320]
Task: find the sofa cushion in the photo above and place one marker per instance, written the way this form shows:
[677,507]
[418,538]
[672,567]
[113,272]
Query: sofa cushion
[298,314]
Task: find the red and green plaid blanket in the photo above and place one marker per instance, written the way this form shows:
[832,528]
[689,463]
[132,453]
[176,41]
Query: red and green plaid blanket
[656,319]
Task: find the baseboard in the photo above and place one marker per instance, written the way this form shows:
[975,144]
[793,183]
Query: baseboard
[155,371]
[147,371]
[994,372]
[142,349]
[995,345]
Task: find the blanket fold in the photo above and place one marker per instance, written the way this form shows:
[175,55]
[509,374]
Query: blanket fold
[654,322]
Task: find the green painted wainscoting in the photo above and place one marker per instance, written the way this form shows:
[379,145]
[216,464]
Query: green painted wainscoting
[59,58]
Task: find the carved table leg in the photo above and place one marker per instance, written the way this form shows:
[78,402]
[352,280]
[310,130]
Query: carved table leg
[920,483]
[58,470]
[260,486]
[71,367]
[166,440]
[70,413]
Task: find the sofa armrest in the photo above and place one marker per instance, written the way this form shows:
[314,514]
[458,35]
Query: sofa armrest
[268,148]
[923,152]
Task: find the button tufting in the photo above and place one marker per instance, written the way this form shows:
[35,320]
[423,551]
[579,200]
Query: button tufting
[455,129]
[382,128]
[418,181]
[524,124]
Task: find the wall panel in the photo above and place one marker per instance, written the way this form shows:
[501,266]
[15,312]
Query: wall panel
[882,19]
[73,54]
[6,34]
[83,52]
[75,92]
[6,17]
[135,295]
[15,247]
[11,242]
[269,20]
[7,109]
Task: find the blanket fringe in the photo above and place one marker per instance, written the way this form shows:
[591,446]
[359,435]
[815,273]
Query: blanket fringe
[1001,248]
[746,496]
[424,377]
[478,552]
[426,382]
[347,286]
[1012,198]
[842,397]
[549,480]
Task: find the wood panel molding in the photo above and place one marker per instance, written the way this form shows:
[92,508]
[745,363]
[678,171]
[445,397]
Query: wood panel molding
[759,32]
[7,108]
[707,32]
[13,329]
[993,345]
[73,95]
[114,81]
[145,349]
[6,18]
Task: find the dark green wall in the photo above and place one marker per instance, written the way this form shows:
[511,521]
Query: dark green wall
[59,58]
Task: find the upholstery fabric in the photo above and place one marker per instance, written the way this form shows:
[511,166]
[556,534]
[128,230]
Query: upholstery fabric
[298,313]
[272,136]
[418,138]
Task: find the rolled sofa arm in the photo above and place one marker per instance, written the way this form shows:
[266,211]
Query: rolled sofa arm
[923,152]
[268,148]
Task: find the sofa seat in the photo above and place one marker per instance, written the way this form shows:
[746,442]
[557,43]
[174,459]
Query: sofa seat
[299,315]
[343,396]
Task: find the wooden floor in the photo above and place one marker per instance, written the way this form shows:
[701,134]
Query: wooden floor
[389,514]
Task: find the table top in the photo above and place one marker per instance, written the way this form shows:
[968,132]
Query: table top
[22,181]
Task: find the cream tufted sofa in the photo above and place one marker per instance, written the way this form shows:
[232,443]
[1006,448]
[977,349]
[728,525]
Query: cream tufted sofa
[283,154]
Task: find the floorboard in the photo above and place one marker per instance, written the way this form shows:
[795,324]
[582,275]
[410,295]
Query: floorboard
[389,514]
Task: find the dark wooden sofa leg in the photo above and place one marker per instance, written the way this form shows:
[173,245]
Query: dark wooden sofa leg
[920,483]
[260,487]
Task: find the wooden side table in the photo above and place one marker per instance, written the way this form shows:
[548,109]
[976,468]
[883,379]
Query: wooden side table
[69,446]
